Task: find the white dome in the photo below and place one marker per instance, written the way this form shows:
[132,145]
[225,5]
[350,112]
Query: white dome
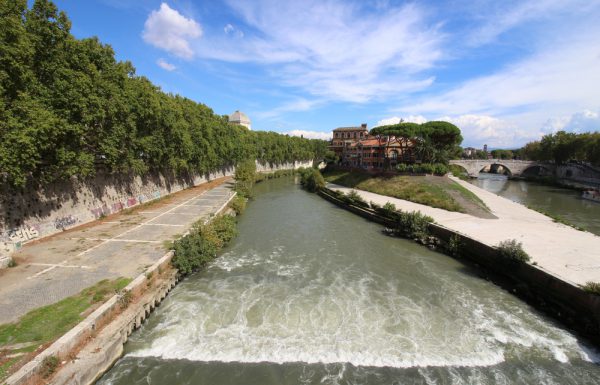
[239,117]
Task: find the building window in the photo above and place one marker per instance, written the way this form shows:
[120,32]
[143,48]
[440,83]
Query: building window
[394,154]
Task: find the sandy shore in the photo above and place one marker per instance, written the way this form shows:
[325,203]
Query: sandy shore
[569,254]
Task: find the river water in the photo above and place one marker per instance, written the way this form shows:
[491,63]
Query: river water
[565,203]
[311,294]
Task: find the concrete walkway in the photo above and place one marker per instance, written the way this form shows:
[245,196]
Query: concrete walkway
[120,245]
[572,255]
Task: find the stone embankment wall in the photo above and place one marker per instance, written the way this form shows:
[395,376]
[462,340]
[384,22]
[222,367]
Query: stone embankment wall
[33,213]
[576,308]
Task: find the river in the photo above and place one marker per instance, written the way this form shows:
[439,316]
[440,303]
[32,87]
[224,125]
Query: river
[309,293]
[565,203]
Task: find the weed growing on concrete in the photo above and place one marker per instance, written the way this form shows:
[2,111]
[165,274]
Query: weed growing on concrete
[125,299]
[49,365]
[12,263]
[455,245]
[512,251]
[592,287]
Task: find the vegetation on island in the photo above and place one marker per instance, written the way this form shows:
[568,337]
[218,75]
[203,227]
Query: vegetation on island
[69,108]
[439,192]
[311,179]
[45,324]
[437,141]
[512,252]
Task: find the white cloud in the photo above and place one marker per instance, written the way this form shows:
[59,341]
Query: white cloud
[483,129]
[584,121]
[169,30]
[334,49]
[310,134]
[229,29]
[299,104]
[395,120]
[162,63]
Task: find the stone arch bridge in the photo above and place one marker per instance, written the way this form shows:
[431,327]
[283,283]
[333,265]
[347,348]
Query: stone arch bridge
[514,167]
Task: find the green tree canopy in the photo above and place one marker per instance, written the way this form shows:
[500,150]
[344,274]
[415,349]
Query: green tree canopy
[68,107]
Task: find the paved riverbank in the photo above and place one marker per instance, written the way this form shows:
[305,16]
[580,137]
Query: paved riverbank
[569,254]
[119,245]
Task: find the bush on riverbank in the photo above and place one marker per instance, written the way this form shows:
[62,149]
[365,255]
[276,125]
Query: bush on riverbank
[311,179]
[262,176]
[245,176]
[423,168]
[203,243]
[238,204]
[512,251]
[592,287]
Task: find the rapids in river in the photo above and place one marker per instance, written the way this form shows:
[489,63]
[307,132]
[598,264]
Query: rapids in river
[309,293]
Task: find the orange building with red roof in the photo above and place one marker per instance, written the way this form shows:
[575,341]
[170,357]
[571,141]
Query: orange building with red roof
[355,147]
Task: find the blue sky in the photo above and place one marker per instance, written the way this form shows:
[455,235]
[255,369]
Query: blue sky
[506,72]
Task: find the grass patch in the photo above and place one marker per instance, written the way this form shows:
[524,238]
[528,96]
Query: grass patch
[431,191]
[47,323]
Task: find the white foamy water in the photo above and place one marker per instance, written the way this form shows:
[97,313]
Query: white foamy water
[274,307]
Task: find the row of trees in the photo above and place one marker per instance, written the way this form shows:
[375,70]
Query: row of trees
[67,107]
[563,146]
[437,141]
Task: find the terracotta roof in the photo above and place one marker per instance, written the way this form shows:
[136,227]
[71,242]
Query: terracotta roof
[351,129]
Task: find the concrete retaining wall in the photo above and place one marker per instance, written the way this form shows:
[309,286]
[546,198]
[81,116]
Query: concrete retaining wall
[35,212]
[570,304]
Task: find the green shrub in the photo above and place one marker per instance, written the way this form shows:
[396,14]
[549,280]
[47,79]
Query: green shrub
[402,167]
[202,244]
[440,169]
[238,204]
[12,263]
[354,198]
[413,224]
[311,179]
[374,205]
[425,168]
[512,251]
[389,207]
[592,287]
[49,365]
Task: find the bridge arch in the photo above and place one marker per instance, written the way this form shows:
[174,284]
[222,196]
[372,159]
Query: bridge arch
[499,163]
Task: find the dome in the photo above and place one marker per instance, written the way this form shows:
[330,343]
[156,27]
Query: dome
[240,118]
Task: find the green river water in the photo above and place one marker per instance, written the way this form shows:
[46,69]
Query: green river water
[311,294]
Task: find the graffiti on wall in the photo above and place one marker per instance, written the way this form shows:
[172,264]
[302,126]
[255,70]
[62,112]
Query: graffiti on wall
[22,234]
[64,222]
[100,212]
[13,239]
